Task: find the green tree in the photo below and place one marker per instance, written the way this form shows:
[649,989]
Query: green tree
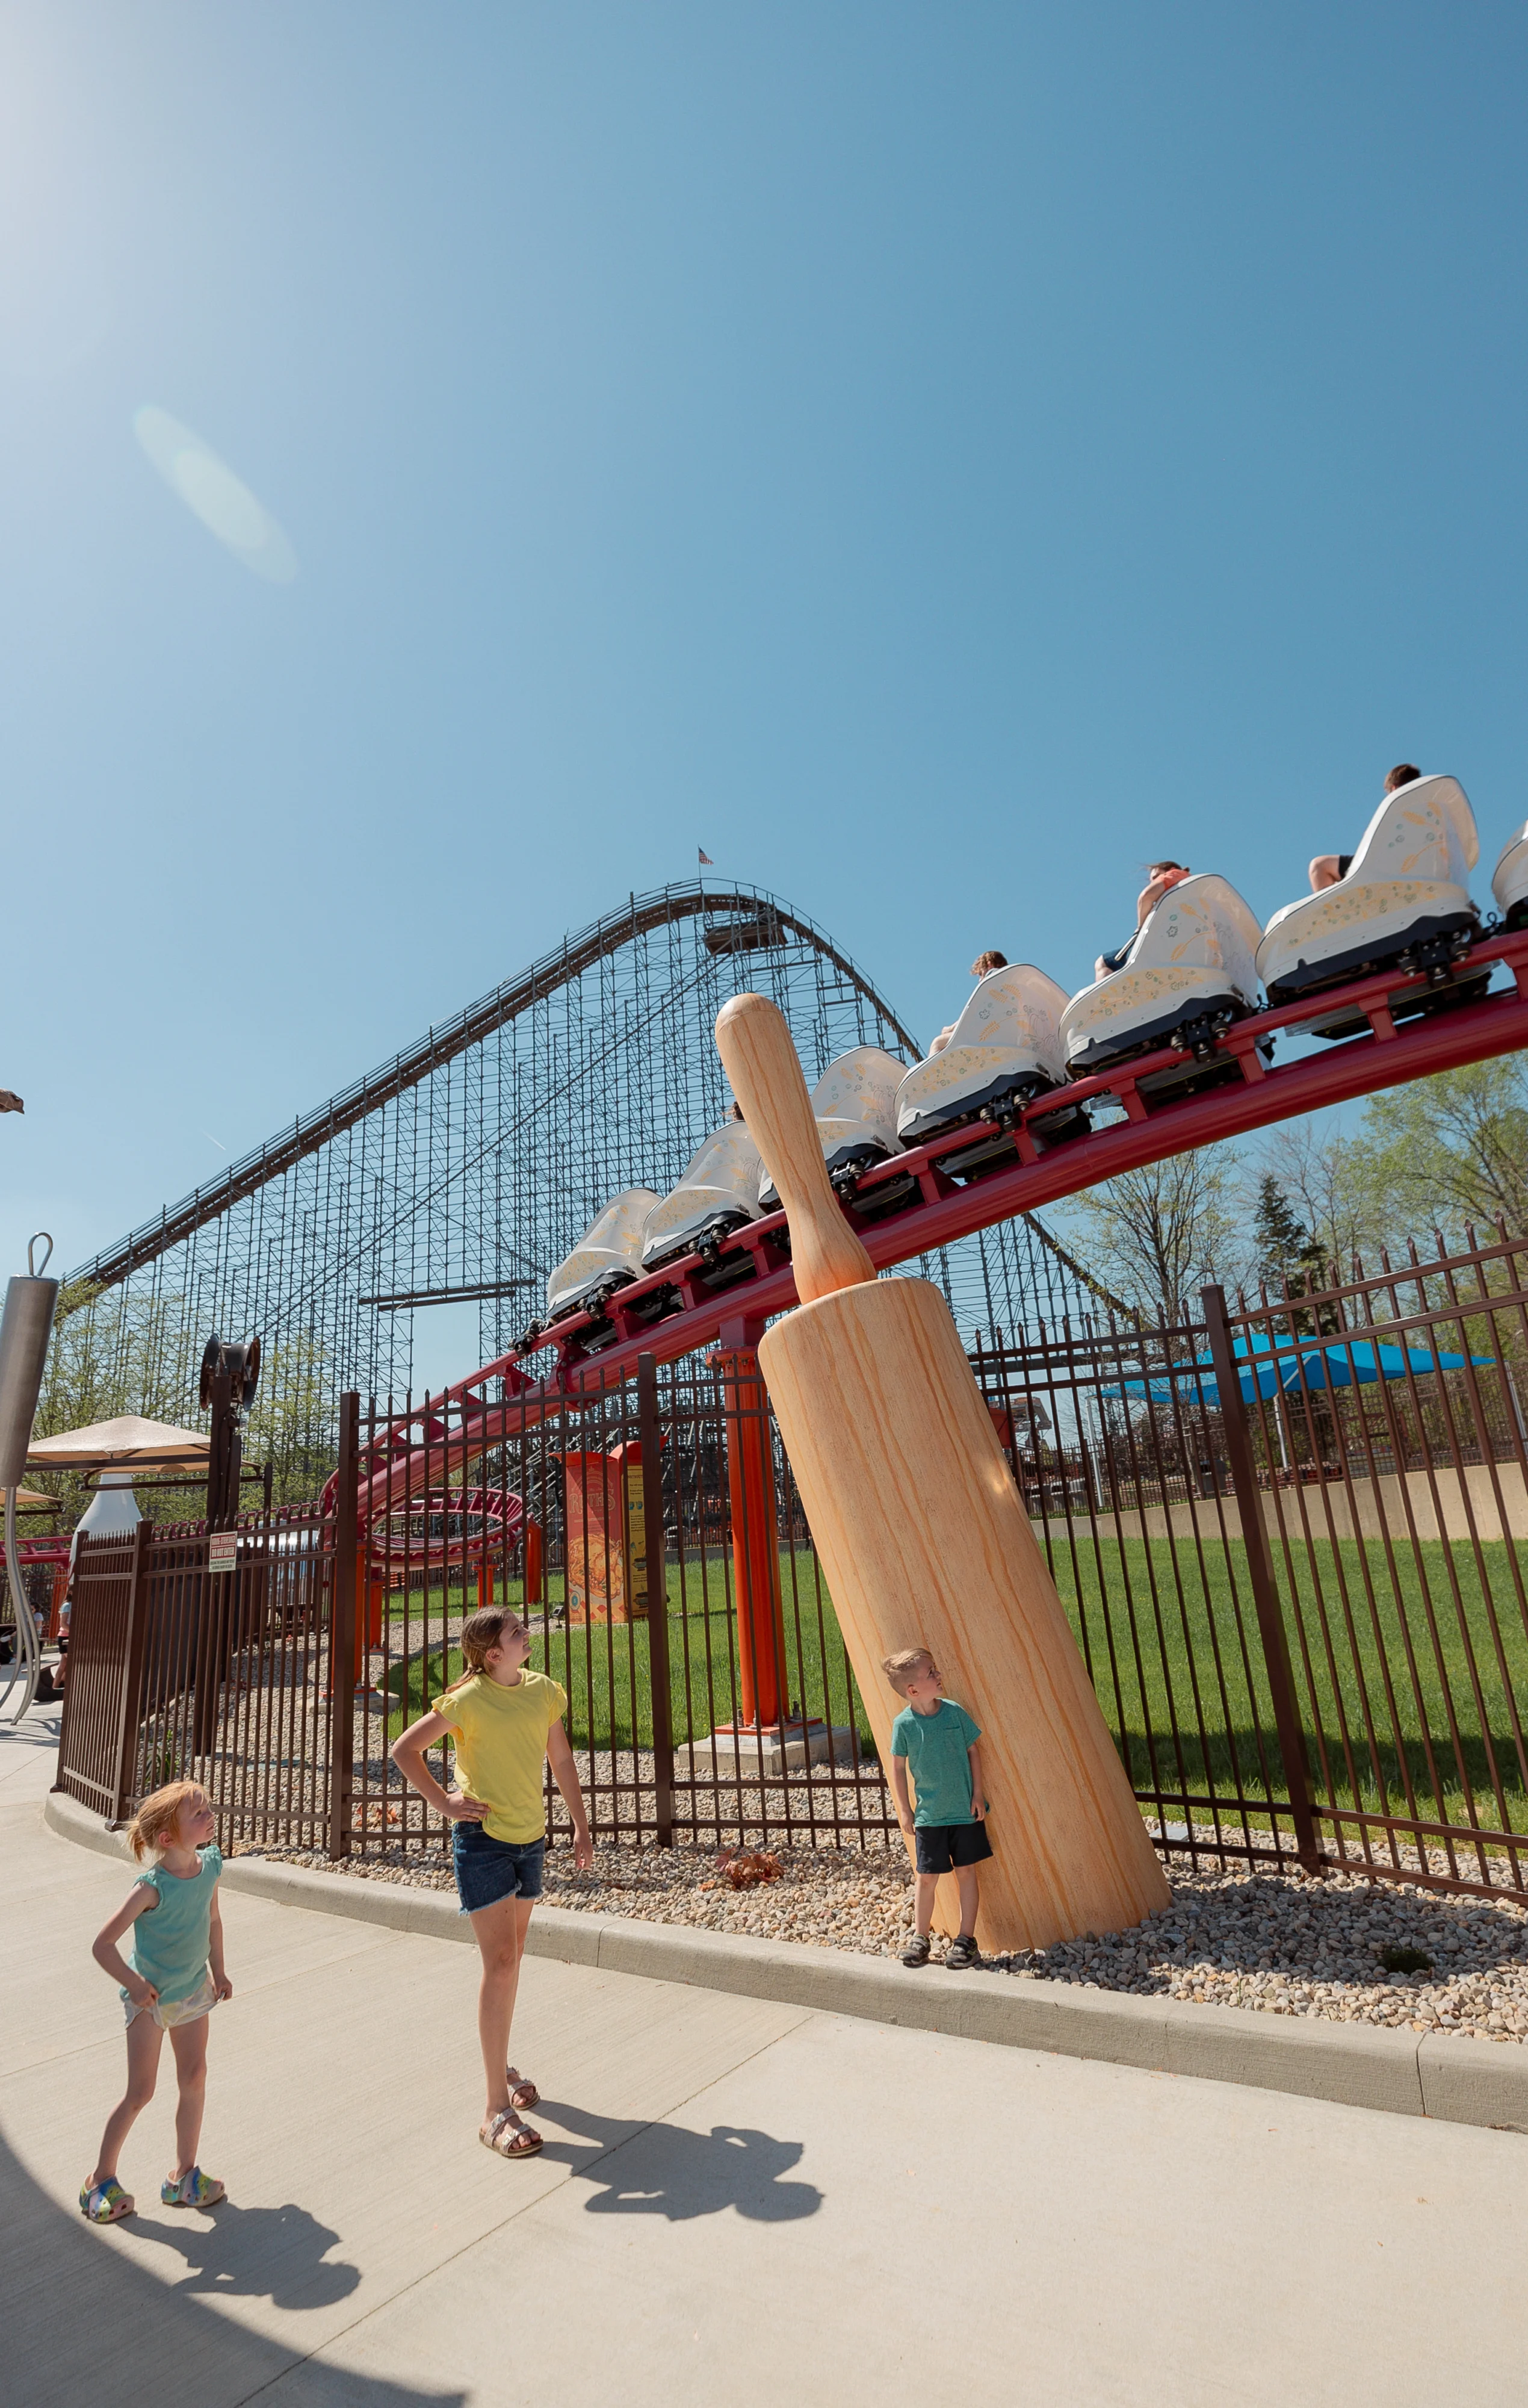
[1442,1152]
[1159,1233]
[1285,1251]
[115,1351]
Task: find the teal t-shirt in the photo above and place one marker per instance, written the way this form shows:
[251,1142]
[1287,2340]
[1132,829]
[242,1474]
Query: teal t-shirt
[935,1746]
[171,1939]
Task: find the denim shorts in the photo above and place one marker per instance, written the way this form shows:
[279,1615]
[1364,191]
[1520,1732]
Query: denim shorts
[487,1869]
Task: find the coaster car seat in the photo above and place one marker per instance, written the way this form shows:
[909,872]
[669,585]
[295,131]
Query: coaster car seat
[1404,904]
[1190,971]
[608,1256]
[719,1192]
[854,1102]
[1510,881]
[1003,1050]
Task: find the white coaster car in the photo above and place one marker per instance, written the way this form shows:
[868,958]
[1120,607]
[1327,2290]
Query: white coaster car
[1190,971]
[719,1192]
[1510,881]
[1003,1050]
[854,1103]
[608,1256]
[1404,904]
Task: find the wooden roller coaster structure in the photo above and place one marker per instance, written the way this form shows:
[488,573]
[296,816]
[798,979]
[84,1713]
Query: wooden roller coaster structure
[915,1202]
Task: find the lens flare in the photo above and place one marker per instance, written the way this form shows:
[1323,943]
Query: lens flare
[213,494]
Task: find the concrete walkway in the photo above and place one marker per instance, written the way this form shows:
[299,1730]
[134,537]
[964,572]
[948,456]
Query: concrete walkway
[738,2202]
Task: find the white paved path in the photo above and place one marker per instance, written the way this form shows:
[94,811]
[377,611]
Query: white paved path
[738,2203]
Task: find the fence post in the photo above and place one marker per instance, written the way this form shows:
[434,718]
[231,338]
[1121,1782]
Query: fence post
[132,1655]
[342,1630]
[1270,1616]
[650,1436]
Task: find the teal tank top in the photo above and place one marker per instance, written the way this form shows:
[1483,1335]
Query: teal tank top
[170,1941]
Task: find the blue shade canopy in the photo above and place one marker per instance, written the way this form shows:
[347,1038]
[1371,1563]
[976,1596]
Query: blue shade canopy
[1270,1364]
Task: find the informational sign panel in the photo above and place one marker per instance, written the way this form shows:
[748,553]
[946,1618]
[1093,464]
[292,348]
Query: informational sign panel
[606,1539]
[222,1551]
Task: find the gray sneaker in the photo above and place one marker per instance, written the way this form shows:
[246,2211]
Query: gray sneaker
[961,1955]
[917,1950]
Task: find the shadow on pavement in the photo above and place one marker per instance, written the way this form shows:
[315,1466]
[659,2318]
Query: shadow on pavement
[278,2254]
[673,2172]
[82,2320]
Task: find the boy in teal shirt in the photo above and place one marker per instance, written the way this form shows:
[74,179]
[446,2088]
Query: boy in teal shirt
[938,1741]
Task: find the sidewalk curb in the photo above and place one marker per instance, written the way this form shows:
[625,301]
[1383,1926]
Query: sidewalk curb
[1455,2080]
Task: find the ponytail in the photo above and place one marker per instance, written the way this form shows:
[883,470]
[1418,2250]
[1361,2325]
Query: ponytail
[480,1634]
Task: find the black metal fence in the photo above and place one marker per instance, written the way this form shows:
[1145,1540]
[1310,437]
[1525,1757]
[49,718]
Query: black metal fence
[1290,1536]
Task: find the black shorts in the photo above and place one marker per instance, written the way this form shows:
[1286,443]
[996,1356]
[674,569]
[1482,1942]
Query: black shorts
[942,1846]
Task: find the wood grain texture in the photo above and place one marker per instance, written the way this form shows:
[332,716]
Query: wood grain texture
[759,1058]
[925,1542]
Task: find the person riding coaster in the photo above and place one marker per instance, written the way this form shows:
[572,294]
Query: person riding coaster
[1187,973]
[1003,1050]
[1401,902]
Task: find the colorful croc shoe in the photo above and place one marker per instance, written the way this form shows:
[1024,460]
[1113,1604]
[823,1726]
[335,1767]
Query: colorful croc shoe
[105,2202]
[195,2189]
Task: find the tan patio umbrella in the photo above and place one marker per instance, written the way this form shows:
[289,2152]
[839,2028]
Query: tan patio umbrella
[128,1439]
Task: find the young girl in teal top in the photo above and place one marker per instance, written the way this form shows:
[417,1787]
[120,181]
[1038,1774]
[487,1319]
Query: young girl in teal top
[175,1980]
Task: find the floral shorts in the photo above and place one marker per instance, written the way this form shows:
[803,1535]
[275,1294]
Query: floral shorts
[171,2012]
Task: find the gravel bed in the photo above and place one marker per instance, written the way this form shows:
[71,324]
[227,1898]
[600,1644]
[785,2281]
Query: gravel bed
[1280,1943]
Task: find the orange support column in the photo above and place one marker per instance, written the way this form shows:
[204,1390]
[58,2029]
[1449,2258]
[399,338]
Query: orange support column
[755,1539]
[368,1613]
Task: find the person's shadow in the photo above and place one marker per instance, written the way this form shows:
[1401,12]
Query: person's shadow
[280,2254]
[664,2169]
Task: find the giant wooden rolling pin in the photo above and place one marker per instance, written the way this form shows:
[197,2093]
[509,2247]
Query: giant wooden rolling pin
[925,1541]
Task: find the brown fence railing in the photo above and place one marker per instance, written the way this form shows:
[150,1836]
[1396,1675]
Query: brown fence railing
[218,1673]
[652,1537]
[1290,1536]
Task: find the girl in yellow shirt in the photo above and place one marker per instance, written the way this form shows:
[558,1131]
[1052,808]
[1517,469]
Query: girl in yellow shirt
[503,1722]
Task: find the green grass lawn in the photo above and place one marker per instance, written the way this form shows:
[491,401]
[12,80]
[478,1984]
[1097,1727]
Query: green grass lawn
[1170,1636]
[606,1669]
[1379,1648]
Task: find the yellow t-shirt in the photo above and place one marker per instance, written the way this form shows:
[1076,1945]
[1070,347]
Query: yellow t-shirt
[499,1733]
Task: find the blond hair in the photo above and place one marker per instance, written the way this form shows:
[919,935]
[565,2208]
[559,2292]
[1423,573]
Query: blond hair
[480,1634]
[906,1664]
[154,1823]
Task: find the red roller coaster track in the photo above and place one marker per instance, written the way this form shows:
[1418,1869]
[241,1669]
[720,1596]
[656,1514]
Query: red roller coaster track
[733,1292]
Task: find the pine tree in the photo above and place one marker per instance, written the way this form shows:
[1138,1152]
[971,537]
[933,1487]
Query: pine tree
[1286,1251]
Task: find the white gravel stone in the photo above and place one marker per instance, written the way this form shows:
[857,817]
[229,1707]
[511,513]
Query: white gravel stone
[1280,1942]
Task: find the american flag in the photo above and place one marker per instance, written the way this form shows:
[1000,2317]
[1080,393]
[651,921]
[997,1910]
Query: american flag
[705,861]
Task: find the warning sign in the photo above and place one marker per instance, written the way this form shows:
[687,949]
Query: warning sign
[221,1551]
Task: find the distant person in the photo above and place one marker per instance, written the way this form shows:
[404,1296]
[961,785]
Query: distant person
[505,1722]
[980,968]
[1160,878]
[175,1980]
[938,1741]
[1330,868]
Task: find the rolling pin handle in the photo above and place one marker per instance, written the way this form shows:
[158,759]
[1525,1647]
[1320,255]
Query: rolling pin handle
[754,1043]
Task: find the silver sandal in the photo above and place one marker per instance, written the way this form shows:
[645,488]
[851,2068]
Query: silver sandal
[507,2137]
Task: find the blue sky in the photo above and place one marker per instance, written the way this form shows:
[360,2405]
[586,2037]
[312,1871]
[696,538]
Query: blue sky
[935,458]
